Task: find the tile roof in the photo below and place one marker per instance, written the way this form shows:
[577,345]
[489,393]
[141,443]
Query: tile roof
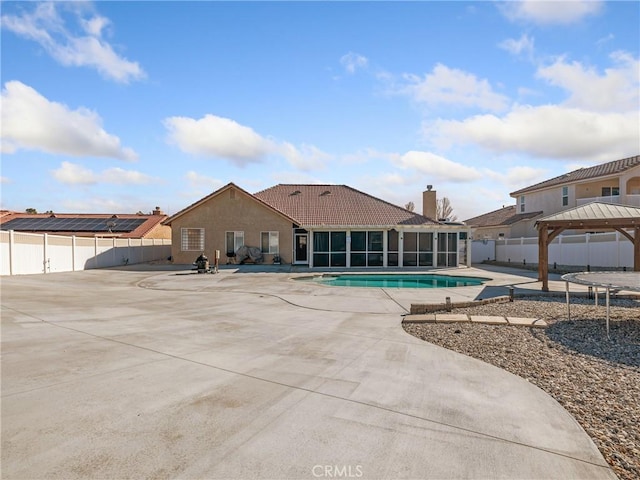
[136,229]
[603,170]
[503,216]
[595,211]
[336,205]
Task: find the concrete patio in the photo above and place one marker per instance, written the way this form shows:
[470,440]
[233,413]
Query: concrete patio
[156,372]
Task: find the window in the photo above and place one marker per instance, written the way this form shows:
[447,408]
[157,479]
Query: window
[610,191]
[418,249]
[447,249]
[565,196]
[269,242]
[192,239]
[330,249]
[521,203]
[234,241]
[367,249]
[392,248]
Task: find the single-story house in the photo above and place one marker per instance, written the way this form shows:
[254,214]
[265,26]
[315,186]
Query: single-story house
[317,226]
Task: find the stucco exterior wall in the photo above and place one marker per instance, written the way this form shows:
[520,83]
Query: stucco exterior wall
[548,201]
[231,210]
[480,233]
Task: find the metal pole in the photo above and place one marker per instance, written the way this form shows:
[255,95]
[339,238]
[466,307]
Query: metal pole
[568,307]
[608,313]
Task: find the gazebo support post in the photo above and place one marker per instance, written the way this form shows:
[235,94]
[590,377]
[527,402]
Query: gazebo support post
[543,256]
[636,250]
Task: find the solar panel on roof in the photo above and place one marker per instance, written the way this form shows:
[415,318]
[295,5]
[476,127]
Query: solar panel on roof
[72,224]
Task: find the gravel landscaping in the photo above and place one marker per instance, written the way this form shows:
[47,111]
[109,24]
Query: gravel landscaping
[595,379]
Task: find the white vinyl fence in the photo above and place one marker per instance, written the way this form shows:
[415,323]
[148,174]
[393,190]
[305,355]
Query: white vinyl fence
[482,250]
[594,249]
[27,253]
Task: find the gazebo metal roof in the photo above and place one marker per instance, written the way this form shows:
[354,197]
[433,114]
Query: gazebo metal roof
[592,216]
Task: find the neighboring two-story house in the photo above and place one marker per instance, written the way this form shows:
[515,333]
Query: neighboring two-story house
[612,182]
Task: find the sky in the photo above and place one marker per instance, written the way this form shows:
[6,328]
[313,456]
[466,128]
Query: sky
[119,107]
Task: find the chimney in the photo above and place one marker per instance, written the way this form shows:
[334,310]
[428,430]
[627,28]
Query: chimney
[157,211]
[429,203]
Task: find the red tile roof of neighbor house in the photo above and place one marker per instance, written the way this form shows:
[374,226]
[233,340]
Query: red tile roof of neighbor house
[503,216]
[336,205]
[603,170]
[137,229]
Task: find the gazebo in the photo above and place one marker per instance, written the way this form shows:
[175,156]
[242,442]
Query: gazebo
[592,216]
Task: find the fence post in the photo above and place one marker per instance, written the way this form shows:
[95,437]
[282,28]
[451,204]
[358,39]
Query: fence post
[45,243]
[95,251]
[73,253]
[11,251]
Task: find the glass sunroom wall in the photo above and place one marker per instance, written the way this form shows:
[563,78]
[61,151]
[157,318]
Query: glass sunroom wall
[425,249]
[392,248]
[320,249]
[410,249]
[375,249]
[338,249]
[418,249]
[358,249]
[447,249]
[330,249]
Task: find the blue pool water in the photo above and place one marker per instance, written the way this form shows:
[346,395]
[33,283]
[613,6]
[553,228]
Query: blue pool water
[398,281]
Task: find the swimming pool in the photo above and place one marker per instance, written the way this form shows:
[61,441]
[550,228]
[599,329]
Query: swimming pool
[426,280]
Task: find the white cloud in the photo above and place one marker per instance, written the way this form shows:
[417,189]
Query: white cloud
[47,27]
[366,155]
[97,204]
[293,177]
[75,174]
[548,131]
[307,157]
[4,180]
[550,12]
[524,44]
[615,90]
[213,136]
[450,86]
[30,121]
[516,177]
[436,167]
[352,61]
[120,176]
[200,182]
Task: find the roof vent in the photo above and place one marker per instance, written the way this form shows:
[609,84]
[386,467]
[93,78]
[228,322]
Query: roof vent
[325,193]
[53,215]
[114,216]
[297,192]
